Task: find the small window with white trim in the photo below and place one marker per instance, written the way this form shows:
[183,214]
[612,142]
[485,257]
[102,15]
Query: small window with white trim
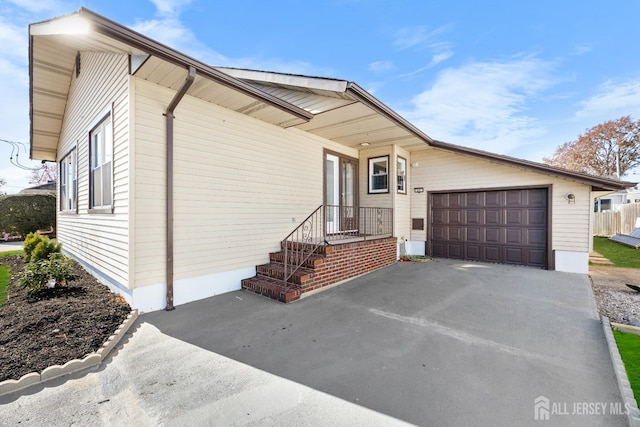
[69,182]
[379,174]
[101,165]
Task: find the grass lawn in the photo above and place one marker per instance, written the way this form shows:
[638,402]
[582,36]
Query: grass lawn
[5,276]
[629,346]
[620,255]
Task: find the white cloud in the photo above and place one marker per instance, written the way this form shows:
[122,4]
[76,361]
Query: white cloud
[409,37]
[168,28]
[169,7]
[381,66]
[483,104]
[38,6]
[435,60]
[581,49]
[614,99]
[13,41]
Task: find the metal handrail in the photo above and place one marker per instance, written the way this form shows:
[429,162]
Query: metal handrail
[308,235]
[330,224]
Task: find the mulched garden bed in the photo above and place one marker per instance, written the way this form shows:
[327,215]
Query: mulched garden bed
[56,325]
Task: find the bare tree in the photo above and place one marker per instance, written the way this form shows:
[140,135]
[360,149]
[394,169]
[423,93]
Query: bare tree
[611,148]
[48,172]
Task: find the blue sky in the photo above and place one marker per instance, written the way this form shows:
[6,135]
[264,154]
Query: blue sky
[516,78]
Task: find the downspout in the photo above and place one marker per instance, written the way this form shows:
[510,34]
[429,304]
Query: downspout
[169,181]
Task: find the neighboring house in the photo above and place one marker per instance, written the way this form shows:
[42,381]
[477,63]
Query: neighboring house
[613,201]
[169,209]
[48,188]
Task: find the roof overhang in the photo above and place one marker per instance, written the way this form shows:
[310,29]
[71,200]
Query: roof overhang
[343,111]
[597,183]
[54,45]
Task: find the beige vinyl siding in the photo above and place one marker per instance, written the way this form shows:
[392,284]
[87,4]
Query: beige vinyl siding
[102,240]
[441,170]
[241,185]
[378,200]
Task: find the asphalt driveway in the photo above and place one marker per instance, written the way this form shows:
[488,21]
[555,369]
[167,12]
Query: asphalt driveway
[441,343]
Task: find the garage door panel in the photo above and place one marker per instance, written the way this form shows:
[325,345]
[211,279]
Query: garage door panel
[440,217]
[475,234]
[503,226]
[537,217]
[455,250]
[493,217]
[515,216]
[456,216]
[473,252]
[475,200]
[514,255]
[537,237]
[492,253]
[440,201]
[475,216]
[439,250]
[514,198]
[456,234]
[456,200]
[492,235]
[537,257]
[537,197]
[513,236]
[493,198]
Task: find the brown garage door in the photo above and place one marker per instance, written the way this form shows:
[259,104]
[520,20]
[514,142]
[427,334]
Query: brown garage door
[503,226]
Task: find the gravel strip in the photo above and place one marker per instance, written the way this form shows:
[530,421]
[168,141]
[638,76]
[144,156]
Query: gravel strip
[620,305]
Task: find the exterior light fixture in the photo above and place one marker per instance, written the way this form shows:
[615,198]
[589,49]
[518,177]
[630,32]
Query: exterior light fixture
[571,198]
[418,189]
[364,144]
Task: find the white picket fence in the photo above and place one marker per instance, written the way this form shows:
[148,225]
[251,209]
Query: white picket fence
[622,221]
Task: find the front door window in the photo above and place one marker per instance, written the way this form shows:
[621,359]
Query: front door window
[341,186]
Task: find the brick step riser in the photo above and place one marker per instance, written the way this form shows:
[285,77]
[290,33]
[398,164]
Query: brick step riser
[270,290]
[298,278]
[278,258]
[305,247]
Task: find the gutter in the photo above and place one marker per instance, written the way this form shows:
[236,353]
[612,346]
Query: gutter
[117,32]
[169,182]
[597,183]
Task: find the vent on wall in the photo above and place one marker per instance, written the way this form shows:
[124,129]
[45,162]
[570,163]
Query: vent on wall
[417,223]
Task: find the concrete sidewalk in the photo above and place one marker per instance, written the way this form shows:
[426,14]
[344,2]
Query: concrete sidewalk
[441,343]
[155,379]
[10,246]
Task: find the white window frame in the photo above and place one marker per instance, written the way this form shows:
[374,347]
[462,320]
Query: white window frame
[101,164]
[377,175]
[401,175]
[69,181]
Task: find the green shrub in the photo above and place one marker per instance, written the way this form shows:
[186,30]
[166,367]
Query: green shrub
[26,213]
[30,243]
[36,274]
[45,249]
[37,247]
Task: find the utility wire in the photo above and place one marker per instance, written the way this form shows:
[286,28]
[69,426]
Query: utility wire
[15,152]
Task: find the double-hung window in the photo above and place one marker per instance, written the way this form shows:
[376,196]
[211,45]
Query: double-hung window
[379,174]
[101,164]
[69,182]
